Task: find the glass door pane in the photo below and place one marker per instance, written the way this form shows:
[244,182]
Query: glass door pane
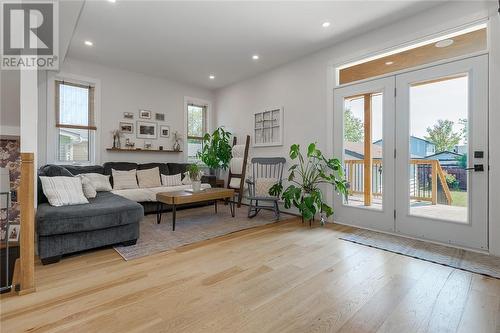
[438,146]
[441,135]
[363,136]
[363,149]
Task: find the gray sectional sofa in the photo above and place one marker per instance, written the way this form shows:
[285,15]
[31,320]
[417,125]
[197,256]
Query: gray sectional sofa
[108,219]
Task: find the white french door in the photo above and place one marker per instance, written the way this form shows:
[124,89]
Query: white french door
[415,153]
[365,140]
[444,100]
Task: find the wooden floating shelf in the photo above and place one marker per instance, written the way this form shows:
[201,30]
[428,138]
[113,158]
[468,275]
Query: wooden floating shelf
[144,150]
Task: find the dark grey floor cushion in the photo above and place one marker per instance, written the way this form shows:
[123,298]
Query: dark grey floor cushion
[105,211]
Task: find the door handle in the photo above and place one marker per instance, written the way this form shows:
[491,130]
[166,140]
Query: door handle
[476,168]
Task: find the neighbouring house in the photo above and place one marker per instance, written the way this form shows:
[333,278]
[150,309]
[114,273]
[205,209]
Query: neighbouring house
[73,145]
[419,147]
[445,158]
[356,151]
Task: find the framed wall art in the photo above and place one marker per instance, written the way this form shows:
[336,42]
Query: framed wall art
[126,128]
[146,130]
[128,115]
[268,127]
[160,116]
[144,114]
[165,131]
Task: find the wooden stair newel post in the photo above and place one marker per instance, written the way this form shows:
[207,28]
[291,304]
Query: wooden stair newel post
[27,232]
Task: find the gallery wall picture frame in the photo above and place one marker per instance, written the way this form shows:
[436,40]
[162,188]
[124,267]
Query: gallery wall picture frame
[13,232]
[126,128]
[165,131]
[128,115]
[268,127]
[160,116]
[145,114]
[146,130]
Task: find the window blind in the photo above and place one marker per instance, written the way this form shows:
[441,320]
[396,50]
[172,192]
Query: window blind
[74,105]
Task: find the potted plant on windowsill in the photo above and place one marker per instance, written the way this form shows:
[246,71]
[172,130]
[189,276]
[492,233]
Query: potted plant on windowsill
[306,177]
[216,151]
[195,175]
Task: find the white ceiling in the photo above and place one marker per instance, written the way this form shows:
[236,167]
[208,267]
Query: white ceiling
[188,41]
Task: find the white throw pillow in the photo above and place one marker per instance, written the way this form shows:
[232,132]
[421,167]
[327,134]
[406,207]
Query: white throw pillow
[88,189]
[263,185]
[123,180]
[186,180]
[99,182]
[149,178]
[63,191]
[171,180]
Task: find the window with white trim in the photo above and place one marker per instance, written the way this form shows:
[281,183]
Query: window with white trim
[75,122]
[196,129]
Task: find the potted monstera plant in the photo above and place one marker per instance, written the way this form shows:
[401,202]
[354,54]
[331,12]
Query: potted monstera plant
[216,151]
[306,176]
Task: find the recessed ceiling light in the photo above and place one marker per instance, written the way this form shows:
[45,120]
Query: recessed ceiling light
[88,43]
[444,43]
[113,1]
[388,63]
[255,57]
[212,77]
[325,24]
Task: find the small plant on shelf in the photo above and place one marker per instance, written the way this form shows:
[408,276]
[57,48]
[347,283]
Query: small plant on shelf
[306,177]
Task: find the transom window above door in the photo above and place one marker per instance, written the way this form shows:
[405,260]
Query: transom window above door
[457,44]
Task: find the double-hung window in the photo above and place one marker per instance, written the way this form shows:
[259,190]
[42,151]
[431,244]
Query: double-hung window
[196,128]
[75,122]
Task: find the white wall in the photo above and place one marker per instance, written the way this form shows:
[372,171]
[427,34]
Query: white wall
[123,91]
[10,102]
[494,120]
[305,87]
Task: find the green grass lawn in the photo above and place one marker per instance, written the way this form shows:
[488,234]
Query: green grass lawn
[459,198]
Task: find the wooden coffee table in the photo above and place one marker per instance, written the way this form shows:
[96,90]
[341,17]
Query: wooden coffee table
[174,199]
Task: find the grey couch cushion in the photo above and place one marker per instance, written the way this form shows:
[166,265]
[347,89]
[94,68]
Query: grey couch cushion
[105,211]
[52,170]
[175,168]
[77,170]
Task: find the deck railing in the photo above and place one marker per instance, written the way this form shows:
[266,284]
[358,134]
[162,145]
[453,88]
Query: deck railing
[427,180]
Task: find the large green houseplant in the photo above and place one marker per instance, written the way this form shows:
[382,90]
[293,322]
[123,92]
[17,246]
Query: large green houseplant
[216,151]
[306,177]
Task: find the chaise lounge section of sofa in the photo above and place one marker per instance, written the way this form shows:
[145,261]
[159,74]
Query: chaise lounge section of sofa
[110,218]
[107,219]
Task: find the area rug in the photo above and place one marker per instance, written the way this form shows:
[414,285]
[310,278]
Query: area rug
[192,225]
[457,258]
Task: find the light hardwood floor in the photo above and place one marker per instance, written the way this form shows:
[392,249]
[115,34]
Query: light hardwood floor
[281,278]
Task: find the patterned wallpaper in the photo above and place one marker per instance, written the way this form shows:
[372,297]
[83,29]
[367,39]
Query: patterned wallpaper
[10,157]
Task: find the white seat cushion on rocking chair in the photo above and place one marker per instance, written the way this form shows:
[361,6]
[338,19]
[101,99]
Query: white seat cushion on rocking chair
[263,185]
[235,183]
